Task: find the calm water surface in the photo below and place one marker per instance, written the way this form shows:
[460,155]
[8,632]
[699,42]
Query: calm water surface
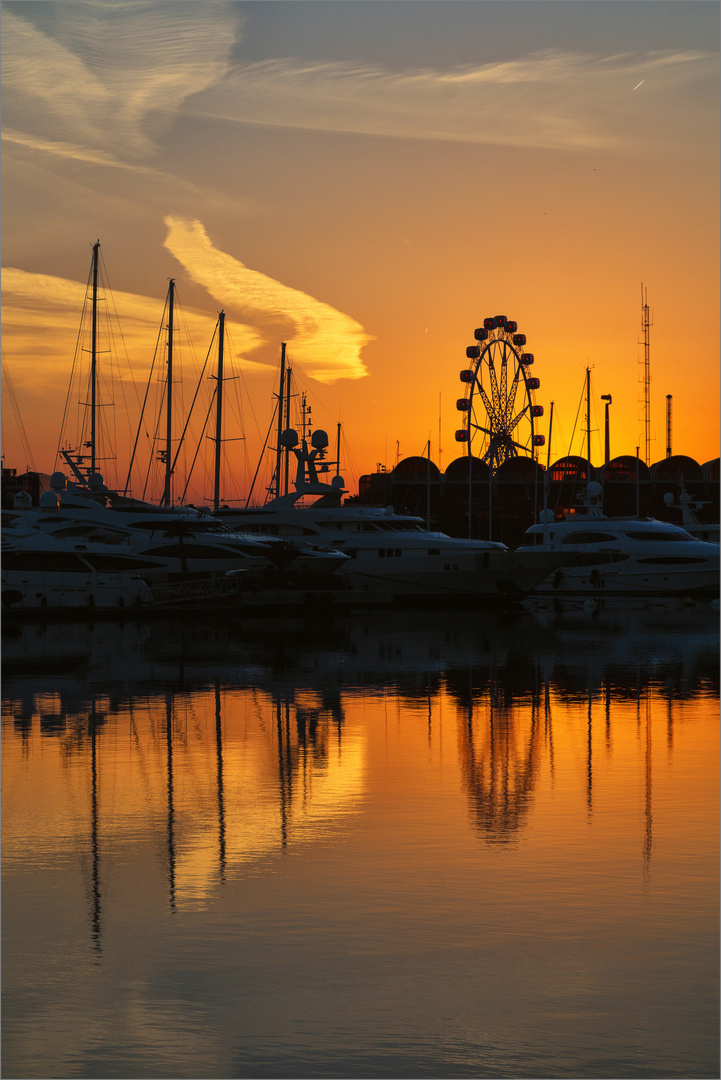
[418,845]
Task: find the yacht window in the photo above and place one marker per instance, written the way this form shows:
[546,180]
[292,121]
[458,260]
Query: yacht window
[589,538]
[672,560]
[117,564]
[42,560]
[195,551]
[597,558]
[652,535]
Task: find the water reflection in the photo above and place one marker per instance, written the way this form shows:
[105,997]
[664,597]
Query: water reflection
[152,769]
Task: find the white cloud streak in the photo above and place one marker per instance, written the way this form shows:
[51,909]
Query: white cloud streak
[548,100]
[114,74]
[326,343]
[113,77]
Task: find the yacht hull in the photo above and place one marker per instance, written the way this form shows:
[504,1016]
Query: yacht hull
[488,576]
[605,582]
[52,591]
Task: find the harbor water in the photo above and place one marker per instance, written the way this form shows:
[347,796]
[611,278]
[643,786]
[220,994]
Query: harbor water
[412,844]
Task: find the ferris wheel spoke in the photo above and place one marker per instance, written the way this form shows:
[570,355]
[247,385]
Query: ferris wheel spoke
[513,392]
[504,378]
[517,419]
[484,397]
[495,392]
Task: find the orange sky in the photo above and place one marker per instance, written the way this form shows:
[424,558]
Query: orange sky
[367,183]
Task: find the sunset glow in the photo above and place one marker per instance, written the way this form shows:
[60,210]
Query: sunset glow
[367,183]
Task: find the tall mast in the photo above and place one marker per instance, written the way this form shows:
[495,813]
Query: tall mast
[645,326]
[219,410]
[169,397]
[607,442]
[280,418]
[288,373]
[94,357]
[550,432]
[669,399]
[588,419]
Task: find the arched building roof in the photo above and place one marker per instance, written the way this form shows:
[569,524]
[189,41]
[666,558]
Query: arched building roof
[415,468]
[710,470]
[520,470]
[624,470]
[676,468]
[458,469]
[571,468]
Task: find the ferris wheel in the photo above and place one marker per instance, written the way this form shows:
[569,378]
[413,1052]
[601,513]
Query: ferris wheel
[499,408]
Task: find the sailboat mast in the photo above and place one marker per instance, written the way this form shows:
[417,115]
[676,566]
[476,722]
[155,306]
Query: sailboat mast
[219,409]
[287,422]
[169,397]
[94,356]
[645,326]
[280,418]
[588,419]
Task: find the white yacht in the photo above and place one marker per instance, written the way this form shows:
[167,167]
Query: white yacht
[622,556]
[392,554]
[46,573]
[178,542]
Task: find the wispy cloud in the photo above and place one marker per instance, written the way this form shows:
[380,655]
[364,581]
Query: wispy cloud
[551,99]
[41,316]
[114,74]
[326,343]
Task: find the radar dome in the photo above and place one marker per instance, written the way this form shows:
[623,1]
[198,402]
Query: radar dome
[289,438]
[337,482]
[319,439]
[594,489]
[58,481]
[95,481]
[22,500]
[668,498]
[50,500]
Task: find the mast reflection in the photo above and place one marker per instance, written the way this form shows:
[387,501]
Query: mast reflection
[269,758]
[94,720]
[500,751]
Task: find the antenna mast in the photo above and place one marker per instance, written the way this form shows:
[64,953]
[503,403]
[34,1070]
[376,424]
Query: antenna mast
[645,326]
[669,399]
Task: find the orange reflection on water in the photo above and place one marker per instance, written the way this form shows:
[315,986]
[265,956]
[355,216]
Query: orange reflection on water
[471,839]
